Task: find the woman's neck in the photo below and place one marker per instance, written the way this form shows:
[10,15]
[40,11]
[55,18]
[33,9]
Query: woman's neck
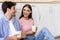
[25,18]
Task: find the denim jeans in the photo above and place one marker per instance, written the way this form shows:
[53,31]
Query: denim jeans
[44,33]
[30,37]
[41,35]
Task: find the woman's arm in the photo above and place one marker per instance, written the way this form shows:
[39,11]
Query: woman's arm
[29,32]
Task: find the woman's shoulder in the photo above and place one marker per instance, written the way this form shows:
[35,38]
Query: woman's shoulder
[31,19]
[21,19]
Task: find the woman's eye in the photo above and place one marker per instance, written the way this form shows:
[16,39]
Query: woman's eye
[24,10]
[28,10]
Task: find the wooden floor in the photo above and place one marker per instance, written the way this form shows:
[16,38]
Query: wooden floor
[58,39]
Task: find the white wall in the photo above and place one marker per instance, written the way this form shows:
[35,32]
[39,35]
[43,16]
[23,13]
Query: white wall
[1,13]
[44,15]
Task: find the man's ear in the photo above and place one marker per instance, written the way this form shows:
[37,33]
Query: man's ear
[8,9]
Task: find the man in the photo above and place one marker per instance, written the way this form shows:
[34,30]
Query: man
[8,24]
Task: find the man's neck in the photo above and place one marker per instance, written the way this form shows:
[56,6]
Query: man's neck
[8,16]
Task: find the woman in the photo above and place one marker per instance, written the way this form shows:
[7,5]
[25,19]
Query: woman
[26,24]
[26,21]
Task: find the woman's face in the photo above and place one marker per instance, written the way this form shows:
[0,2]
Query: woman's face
[26,12]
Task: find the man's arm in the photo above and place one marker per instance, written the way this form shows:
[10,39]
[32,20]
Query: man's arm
[1,38]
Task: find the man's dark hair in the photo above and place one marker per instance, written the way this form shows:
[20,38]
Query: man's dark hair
[7,4]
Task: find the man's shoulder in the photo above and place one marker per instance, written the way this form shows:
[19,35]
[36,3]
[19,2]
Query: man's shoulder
[1,22]
[2,19]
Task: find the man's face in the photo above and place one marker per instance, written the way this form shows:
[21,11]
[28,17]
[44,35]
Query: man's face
[12,11]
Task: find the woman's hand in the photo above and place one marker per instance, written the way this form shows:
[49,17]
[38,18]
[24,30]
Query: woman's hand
[23,34]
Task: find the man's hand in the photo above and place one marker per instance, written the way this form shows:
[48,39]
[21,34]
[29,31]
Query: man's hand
[11,38]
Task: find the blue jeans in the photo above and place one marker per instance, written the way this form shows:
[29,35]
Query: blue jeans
[43,33]
[30,37]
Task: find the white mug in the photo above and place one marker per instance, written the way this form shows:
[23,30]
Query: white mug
[34,28]
[19,34]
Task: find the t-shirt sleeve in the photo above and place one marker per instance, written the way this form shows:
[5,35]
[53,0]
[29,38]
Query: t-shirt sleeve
[20,23]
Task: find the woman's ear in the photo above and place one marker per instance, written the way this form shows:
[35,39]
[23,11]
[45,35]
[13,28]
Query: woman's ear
[30,11]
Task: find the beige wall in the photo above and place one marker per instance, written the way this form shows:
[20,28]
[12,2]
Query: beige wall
[30,0]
